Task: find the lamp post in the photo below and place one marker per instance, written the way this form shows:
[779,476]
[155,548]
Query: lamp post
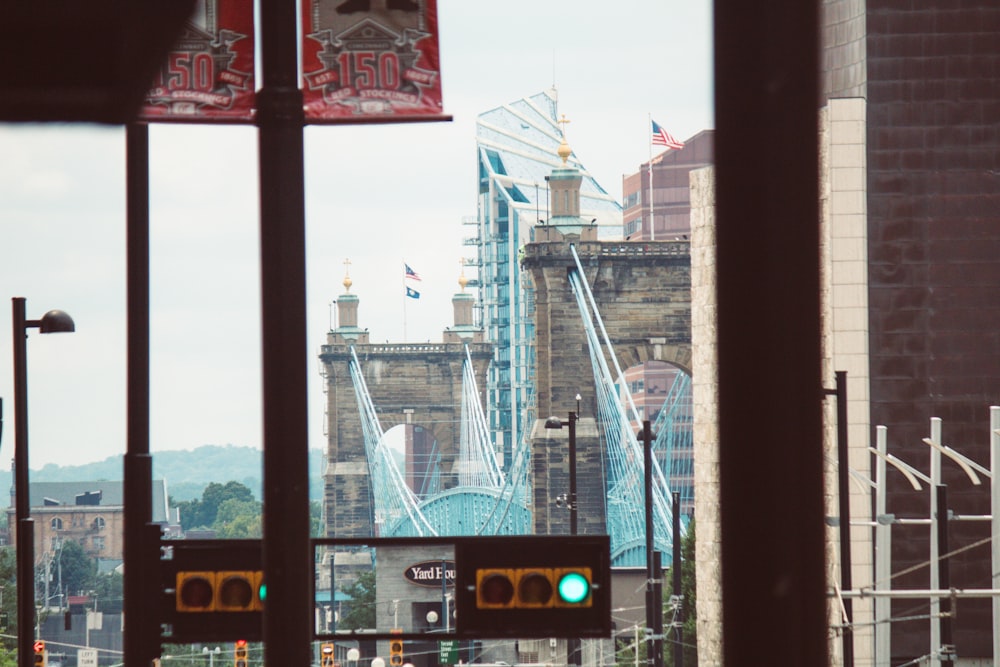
[54,321]
[211,653]
[556,423]
[572,645]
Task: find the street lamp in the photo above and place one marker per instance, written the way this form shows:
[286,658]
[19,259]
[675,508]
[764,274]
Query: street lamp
[54,321]
[211,653]
[556,423]
[572,645]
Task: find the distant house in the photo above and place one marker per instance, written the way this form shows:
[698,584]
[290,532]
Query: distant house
[92,514]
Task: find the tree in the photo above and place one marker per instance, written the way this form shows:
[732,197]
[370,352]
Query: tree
[361,609]
[203,513]
[687,607]
[78,569]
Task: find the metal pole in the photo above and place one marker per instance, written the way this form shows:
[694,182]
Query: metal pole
[843,492]
[883,565]
[141,637]
[947,650]
[657,643]
[572,474]
[995,523]
[286,554]
[25,525]
[651,574]
[572,644]
[677,584]
[935,553]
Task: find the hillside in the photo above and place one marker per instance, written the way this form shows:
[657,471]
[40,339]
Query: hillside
[187,472]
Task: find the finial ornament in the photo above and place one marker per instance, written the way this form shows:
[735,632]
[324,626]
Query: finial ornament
[564,150]
[462,280]
[347,275]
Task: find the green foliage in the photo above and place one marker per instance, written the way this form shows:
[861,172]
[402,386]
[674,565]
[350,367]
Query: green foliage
[78,569]
[361,610]
[204,513]
[316,519]
[687,608]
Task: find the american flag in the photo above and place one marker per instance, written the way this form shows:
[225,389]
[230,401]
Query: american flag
[410,273]
[663,138]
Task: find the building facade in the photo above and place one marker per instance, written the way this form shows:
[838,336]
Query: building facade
[664,197]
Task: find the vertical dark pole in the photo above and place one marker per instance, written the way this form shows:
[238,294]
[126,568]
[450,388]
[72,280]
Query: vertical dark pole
[657,644]
[944,577]
[572,644]
[572,474]
[25,524]
[651,574]
[141,639]
[287,561]
[844,496]
[675,570]
[767,215]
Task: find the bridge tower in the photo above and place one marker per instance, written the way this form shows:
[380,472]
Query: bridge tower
[643,292]
[416,384]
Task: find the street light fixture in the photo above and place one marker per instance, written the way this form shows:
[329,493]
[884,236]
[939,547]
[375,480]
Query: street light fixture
[572,645]
[556,423]
[54,321]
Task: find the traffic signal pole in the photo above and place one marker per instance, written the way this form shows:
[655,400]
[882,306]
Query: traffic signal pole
[286,552]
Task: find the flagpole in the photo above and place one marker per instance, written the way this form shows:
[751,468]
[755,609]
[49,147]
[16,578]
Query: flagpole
[652,218]
[405,297]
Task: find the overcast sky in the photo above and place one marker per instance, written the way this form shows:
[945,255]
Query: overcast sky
[379,195]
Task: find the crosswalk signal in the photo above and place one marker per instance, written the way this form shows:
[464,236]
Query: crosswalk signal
[396,649]
[240,653]
[534,586]
[326,656]
[40,655]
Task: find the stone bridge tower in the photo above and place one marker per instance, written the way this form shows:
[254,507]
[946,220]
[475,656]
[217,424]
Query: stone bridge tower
[419,385]
[643,292]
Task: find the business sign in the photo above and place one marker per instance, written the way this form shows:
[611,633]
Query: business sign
[428,573]
[370,60]
[208,74]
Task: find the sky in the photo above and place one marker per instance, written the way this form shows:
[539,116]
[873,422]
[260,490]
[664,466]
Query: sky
[378,195]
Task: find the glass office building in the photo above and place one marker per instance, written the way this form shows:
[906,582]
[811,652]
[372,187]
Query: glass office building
[516,146]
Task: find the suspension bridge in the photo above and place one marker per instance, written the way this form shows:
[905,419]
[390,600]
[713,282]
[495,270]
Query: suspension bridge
[409,498]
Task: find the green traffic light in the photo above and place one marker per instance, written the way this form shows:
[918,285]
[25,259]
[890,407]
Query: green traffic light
[573,588]
[262,592]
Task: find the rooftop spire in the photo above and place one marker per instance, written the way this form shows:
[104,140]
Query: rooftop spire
[347,275]
[564,150]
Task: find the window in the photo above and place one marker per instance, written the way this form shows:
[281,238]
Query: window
[98,543]
[56,523]
[98,523]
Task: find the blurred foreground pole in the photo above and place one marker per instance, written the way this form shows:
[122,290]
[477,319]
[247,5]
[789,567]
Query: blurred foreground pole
[287,561]
[766,157]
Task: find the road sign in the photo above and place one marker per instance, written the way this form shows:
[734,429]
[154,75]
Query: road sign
[86,657]
[449,652]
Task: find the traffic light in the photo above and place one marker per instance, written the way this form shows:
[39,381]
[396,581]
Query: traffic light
[240,653]
[396,649]
[326,656]
[41,659]
[213,590]
[224,591]
[534,586]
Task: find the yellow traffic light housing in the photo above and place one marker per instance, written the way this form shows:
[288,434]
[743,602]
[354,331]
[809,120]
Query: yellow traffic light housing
[195,592]
[240,656]
[235,591]
[396,649]
[327,656]
[41,657]
[533,586]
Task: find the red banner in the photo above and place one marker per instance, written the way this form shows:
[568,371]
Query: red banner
[370,60]
[208,75]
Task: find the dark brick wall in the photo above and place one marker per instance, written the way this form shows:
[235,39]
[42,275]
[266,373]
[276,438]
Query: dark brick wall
[933,85]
